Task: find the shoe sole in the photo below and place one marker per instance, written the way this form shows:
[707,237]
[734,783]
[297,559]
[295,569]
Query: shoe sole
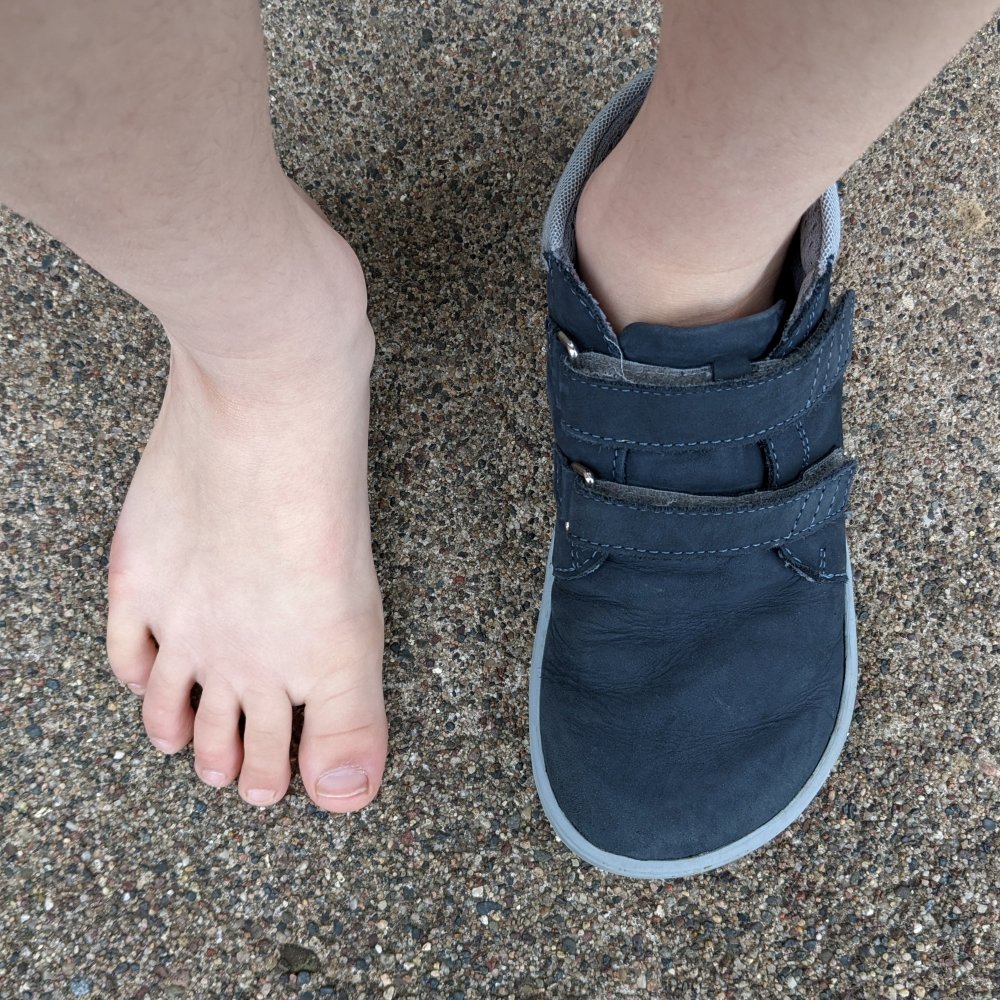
[620,864]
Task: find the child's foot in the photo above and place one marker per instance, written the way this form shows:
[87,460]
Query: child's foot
[243,549]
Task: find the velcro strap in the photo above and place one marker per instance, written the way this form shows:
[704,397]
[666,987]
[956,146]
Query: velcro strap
[630,519]
[619,413]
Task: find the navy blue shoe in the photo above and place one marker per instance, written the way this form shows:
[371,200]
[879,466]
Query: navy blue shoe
[695,663]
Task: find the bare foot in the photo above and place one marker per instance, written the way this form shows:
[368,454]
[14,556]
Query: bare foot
[242,558]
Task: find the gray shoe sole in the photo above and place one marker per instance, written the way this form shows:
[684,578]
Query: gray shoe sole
[678,868]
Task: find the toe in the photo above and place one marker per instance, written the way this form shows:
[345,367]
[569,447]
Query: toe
[218,750]
[266,737]
[166,708]
[343,746]
[131,649]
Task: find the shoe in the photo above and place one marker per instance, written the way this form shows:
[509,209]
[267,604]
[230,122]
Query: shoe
[695,662]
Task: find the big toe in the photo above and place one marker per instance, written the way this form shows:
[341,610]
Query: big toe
[343,745]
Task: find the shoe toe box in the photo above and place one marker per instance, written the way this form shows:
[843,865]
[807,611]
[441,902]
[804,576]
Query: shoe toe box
[671,728]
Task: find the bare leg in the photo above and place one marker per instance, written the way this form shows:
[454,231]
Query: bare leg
[137,131]
[756,107]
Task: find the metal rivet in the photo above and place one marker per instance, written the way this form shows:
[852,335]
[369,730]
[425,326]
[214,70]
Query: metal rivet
[568,344]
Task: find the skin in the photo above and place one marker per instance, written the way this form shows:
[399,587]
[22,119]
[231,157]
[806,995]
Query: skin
[138,133]
[756,107]
[242,558]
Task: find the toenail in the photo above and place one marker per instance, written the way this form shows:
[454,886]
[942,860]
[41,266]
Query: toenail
[260,796]
[161,745]
[212,777]
[137,689]
[342,783]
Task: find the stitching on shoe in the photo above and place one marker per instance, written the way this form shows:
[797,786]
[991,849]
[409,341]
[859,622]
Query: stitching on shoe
[795,523]
[782,553]
[833,499]
[575,566]
[772,543]
[804,438]
[773,458]
[597,564]
[591,565]
[819,503]
[580,432]
[807,572]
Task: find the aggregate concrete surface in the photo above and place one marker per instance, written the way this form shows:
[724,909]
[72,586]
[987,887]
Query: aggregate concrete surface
[432,135]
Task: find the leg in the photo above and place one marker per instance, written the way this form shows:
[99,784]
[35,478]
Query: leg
[754,110]
[137,131]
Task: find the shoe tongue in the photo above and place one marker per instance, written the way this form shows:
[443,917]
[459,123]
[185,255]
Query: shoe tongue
[729,347]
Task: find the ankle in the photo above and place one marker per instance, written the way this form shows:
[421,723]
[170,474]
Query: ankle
[282,300]
[247,279]
[641,268]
